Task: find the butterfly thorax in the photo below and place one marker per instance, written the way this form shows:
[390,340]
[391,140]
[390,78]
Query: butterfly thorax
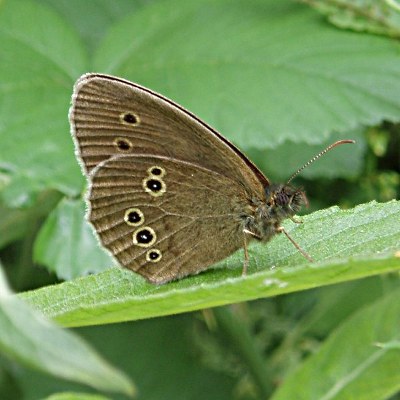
[282,201]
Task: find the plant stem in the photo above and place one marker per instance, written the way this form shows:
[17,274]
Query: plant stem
[243,344]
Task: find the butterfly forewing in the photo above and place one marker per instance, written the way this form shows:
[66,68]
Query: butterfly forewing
[162,217]
[111,116]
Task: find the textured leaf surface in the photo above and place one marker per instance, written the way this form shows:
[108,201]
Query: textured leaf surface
[277,85]
[345,244]
[274,76]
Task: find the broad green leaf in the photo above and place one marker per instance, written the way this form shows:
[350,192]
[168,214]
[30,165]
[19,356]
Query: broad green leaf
[263,72]
[93,18]
[66,243]
[346,245]
[362,369]
[275,75]
[346,161]
[26,337]
[381,17]
[39,62]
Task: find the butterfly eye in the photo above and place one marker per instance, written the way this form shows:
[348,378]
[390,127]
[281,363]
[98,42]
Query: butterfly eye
[129,118]
[123,144]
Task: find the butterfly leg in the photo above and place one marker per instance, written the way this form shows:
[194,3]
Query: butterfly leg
[296,220]
[281,229]
[246,252]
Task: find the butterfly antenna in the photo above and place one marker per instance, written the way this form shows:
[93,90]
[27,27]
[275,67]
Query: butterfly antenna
[330,147]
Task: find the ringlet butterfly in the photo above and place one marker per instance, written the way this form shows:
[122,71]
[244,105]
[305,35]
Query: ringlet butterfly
[168,195]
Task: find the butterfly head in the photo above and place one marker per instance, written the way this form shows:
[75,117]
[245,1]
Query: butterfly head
[284,201]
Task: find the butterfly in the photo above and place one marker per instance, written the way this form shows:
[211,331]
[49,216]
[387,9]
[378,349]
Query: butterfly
[168,195]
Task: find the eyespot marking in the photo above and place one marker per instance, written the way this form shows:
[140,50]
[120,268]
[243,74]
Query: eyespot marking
[156,170]
[129,118]
[144,237]
[134,217]
[155,186]
[153,255]
[122,144]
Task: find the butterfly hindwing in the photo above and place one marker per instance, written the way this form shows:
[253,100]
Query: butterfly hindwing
[165,218]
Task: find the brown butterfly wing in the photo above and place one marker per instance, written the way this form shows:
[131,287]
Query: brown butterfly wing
[111,116]
[189,220]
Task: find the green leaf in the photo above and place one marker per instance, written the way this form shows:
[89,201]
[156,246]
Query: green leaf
[93,18]
[76,396]
[66,243]
[361,369]
[346,161]
[4,288]
[243,83]
[393,344]
[333,304]
[275,73]
[380,17]
[160,353]
[39,62]
[346,245]
[16,223]
[27,337]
